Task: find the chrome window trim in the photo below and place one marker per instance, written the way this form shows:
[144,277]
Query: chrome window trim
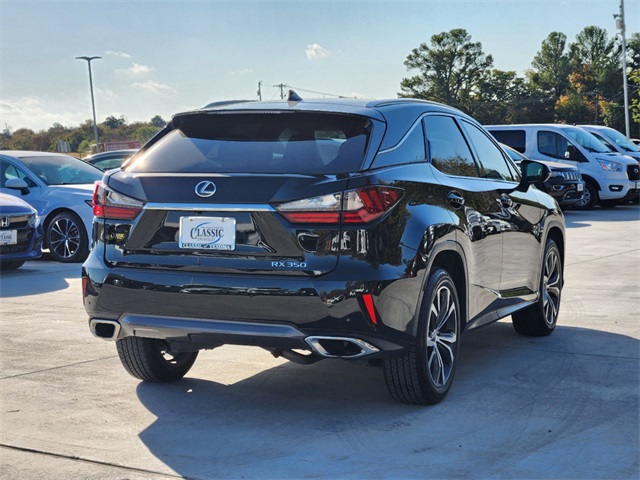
[203,207]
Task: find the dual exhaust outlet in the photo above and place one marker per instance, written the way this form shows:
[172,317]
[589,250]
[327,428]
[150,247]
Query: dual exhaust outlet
[324,346]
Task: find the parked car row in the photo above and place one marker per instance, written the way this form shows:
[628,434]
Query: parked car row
[610,176]
[60,189]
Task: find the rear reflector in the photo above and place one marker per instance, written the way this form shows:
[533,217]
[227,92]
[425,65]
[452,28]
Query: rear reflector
[353,207]
[112,205]
[367,298]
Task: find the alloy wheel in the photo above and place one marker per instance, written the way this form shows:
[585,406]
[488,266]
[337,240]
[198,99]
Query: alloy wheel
[64,239]
[551,287]
[442,335]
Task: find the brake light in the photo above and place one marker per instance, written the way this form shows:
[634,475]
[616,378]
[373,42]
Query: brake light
[353,207]
[112,205]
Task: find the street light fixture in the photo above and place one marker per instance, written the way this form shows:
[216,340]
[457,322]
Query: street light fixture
[93,104]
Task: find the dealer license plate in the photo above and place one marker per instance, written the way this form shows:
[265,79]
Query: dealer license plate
[208,233]
[8,237]
[580,187]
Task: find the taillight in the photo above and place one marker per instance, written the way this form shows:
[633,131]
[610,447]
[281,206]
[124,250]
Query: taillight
[359,206]
[112,205]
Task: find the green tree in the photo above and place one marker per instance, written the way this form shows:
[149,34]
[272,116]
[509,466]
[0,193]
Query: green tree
[158,121]
[113,122]
[448,68]
[551,66]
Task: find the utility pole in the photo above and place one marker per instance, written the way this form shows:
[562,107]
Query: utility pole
[93,103]
[260,90]
[281,86]
[622,27]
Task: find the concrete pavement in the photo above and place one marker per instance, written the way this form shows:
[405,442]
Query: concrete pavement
[565,406]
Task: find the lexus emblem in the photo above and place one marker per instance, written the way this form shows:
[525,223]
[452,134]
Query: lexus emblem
[205,189]
[4,222]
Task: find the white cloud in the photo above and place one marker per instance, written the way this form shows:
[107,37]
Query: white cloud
[105,93]
[111,53]
[136,69]
[315,51]
[154,87]
[30,112]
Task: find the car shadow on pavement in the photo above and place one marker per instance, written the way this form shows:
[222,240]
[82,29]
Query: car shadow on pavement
[515,401]
[37,277]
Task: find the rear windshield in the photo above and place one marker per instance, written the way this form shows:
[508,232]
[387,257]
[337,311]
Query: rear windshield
[259,142]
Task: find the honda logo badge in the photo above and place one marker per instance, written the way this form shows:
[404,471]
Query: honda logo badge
[205,189]
[5,222]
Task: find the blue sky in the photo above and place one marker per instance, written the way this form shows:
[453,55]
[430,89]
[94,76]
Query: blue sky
[162,57]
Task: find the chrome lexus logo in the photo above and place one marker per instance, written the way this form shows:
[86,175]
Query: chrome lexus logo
[205,189]
[4,222]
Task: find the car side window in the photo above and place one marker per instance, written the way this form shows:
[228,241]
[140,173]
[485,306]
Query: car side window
[553,144]
[448,150]
[9,172]
[490,157]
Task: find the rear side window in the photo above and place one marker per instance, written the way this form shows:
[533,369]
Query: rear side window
[259,142]
[514,138]
[448,149]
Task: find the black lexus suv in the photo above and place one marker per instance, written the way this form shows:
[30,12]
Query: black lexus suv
[372,231]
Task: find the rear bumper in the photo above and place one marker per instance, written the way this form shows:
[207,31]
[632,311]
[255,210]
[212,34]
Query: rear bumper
[207,310]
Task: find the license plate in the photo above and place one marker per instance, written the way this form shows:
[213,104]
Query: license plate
[208,233]
[580,187]
[8,237]
[637,185]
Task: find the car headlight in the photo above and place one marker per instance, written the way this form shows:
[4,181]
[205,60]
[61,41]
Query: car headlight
[609,165]
[556,174]
[33,220]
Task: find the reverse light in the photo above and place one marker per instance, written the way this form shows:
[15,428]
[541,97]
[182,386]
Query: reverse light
[353,207]
[609,165]
[112,205]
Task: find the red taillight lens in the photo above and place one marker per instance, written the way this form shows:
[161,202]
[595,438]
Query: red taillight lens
[359,206]
[366,204]
[114,206]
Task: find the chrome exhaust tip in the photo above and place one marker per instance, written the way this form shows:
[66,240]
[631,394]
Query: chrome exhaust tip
[340,347]
[105,329]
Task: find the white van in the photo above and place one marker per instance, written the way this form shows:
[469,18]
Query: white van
[610,178]
[615,140]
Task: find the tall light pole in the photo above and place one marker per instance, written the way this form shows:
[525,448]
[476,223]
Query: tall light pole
[93,103]
[621,26]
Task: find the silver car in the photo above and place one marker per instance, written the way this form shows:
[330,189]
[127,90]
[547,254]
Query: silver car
[60,188]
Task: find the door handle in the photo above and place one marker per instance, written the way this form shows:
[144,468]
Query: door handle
[455,199]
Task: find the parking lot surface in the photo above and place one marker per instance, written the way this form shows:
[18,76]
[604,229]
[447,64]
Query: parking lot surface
[564,406]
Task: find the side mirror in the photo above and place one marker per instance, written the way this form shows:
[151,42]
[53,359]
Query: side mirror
[533,172]
[574,154]
[17,184]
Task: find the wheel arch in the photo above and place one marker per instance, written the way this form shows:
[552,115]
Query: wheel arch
[450,256]
[588,178]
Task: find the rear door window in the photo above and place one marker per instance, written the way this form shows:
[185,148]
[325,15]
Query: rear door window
[448,149]
[259,142]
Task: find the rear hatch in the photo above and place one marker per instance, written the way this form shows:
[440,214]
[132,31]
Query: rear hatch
[236,192]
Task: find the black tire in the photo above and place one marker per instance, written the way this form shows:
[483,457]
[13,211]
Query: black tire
[423,374]
[150,359]
[540,319]
[67,238]
[589,199]
[608,203]
[11,265]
